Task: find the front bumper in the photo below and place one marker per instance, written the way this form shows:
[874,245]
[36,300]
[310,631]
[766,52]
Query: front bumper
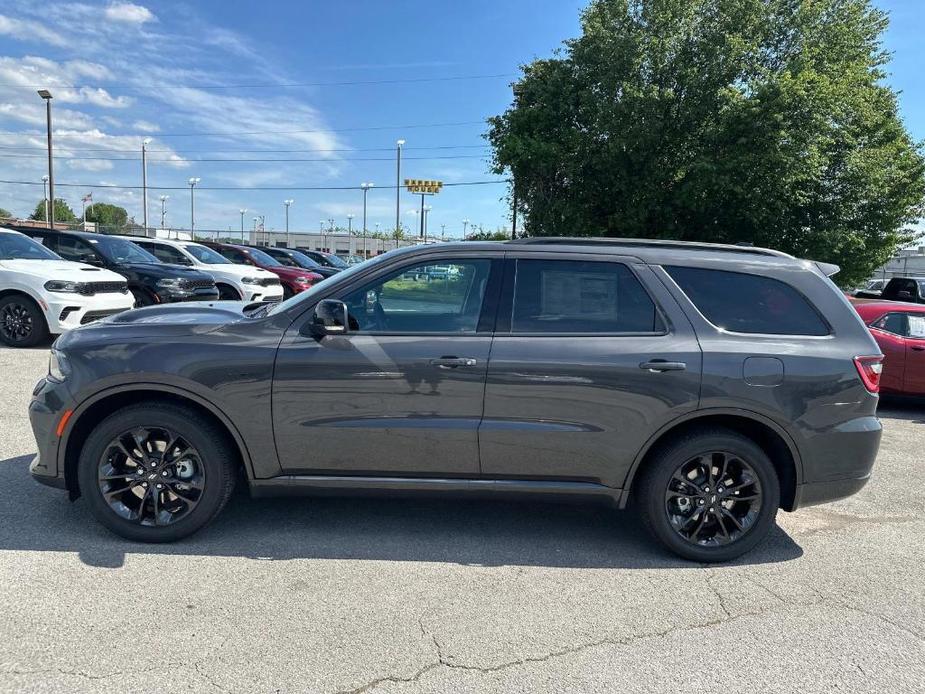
[273,292]
[67,311]
[172,296]
[50,402]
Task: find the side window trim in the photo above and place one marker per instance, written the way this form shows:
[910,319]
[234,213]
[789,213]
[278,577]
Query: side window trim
[506,309]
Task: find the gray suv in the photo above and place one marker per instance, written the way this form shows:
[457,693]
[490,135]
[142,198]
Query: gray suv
[705,385]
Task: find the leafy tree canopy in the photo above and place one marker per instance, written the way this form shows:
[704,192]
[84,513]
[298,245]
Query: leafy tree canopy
[6,214]
[764,121]
[107,215]
[63,212]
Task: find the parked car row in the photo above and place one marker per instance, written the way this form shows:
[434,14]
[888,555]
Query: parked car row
[46,285]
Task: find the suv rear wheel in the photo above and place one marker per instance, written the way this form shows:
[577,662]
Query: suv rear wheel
[709,496]
[156,472]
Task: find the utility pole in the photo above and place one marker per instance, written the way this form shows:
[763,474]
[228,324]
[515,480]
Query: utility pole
[50,217]
[443,232]
[45,194]
[192,207]
[164,199]
[465,223]
[514,216]
[287,203]
[365,187]
[144,181]
[242,211]
[400,144]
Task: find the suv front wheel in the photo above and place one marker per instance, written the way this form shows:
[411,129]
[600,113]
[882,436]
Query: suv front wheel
[709,496]
[156,472]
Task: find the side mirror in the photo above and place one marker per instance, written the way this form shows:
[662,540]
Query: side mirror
[331,318]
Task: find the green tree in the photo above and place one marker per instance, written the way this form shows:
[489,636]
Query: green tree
[107,215]
[765,121]
[5,214]
[63,212]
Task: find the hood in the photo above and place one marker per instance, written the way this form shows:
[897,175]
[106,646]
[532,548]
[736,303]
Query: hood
[60,270]
[161,270]
[162,320]
[236,270]
[291,273]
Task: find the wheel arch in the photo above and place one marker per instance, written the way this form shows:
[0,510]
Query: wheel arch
[773,439]
[228,285]
[104,403]
[21,291]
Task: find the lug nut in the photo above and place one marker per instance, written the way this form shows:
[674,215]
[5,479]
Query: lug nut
[706,489]
[164,473]
[160,486]
[144,484]
[700,502]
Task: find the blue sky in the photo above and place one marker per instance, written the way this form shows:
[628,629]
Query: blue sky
[146,70]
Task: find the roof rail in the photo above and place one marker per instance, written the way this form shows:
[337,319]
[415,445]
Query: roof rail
[645,243]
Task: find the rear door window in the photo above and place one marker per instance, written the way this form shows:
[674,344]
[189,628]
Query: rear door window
[746,303]
[572,296]
[892,323]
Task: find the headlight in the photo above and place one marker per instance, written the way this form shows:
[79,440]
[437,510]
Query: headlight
[63,286]
[250,280]
[303,280]
[170,283]
[58,368]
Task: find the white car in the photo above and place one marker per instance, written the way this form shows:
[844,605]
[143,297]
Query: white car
[234,282]
[41,293]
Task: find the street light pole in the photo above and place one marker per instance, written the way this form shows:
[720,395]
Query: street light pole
[45,194]
[192,207]
[50,217]
[242,211]
[465,223]
[288,240]
[144,181]
[400,144]
[365,187]
[424,210]
[164,199]
[349,223]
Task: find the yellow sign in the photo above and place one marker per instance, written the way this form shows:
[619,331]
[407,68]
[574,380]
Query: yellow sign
[419,186]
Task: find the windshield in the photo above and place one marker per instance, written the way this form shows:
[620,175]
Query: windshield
[206,255]
[303,260]
[323,285]
[335,261]
[19,247]
[121,251]
[262,258]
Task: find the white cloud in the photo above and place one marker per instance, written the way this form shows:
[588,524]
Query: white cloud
[128,13]
[26,30]
[146,126]
[32,72]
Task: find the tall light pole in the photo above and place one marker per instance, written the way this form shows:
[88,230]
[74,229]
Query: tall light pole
[424,210]
[400,144]
[287,203]
[349,223]
[443,232]
[45,194]
[144,181]
[365,187]
[192,207]
[164,199]
[242,211]
[465,224]
[321,230]
[50,217]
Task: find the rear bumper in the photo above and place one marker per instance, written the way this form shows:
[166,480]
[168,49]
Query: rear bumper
[814,493]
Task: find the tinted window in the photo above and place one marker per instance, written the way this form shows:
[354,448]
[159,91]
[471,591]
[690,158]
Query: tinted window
[556,296]
[748,303]
[73,248]
[120,250]
[422,299]
[165,254]
[262,258]
[235,256]
[206,255]
[892,323]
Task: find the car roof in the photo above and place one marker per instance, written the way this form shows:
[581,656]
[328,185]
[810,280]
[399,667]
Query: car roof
[876,307]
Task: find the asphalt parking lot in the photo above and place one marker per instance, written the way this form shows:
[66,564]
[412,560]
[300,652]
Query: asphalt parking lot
[359,595]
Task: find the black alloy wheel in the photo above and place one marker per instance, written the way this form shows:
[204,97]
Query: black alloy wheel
[709,495]
[157,471]
[713,499]
[21,322]
[151,475]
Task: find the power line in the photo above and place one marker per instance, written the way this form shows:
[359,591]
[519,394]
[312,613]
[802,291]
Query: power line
[218,151]
[184,188]
[322,130]
[193,161]
[264,85]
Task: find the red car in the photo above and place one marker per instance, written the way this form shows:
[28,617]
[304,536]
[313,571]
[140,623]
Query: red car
[293,279]
[899,329]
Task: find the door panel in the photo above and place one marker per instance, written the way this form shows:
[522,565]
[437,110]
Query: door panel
[579,406]
[914,374]
[377,402]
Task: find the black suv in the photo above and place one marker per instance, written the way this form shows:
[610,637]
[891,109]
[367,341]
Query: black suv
[330,260]
[706,385]
[149,280]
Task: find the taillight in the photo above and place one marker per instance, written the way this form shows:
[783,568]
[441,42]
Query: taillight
[869,369]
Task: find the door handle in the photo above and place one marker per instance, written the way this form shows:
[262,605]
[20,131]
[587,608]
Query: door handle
[662,365]
[918,349]
[453,362]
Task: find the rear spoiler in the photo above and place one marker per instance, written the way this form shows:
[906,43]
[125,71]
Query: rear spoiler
[827,269]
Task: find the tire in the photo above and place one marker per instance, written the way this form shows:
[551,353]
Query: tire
[22,323]
[667,481]
[141,298]
[228,293]
[215,460]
